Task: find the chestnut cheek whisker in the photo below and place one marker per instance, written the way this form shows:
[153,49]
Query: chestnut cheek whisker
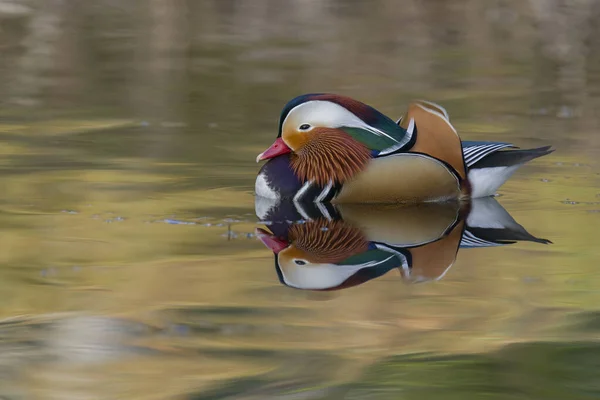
[330,155]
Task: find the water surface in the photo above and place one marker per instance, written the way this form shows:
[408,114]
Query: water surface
[129,264]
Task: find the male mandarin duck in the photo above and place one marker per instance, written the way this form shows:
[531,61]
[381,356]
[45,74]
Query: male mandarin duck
[344,151]
[339,246]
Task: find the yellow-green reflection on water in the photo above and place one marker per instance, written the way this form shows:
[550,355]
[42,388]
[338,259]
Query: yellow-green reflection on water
[120,122]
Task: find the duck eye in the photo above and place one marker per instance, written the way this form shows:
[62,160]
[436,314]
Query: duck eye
[304,127]
[300,262]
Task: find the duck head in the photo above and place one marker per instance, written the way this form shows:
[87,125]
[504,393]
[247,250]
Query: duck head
[332,137]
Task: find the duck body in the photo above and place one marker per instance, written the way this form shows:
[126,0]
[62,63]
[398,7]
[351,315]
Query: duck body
[335,149]
[485,174]
[410,177]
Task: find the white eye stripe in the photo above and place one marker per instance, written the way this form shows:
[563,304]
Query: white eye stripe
[327,114]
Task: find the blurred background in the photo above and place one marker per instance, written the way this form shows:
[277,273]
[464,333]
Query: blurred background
[128,264]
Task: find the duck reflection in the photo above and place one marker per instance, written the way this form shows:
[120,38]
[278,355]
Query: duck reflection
[330,247]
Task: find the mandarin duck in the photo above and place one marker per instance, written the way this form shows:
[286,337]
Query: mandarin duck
[339,246]
[344,151]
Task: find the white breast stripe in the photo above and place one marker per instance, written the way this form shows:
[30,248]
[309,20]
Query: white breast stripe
[324,211]
[297,198]
[325,192]
[302,190]
[301,211]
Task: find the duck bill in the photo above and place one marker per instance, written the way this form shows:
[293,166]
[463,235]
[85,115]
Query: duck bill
[272,242]
[277,148]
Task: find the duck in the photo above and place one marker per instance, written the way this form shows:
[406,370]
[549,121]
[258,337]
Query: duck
[346,245]
[332,148]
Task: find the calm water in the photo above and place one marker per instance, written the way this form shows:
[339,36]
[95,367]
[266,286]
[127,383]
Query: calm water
[129,266]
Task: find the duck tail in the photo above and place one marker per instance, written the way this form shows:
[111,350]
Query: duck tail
[488,167]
